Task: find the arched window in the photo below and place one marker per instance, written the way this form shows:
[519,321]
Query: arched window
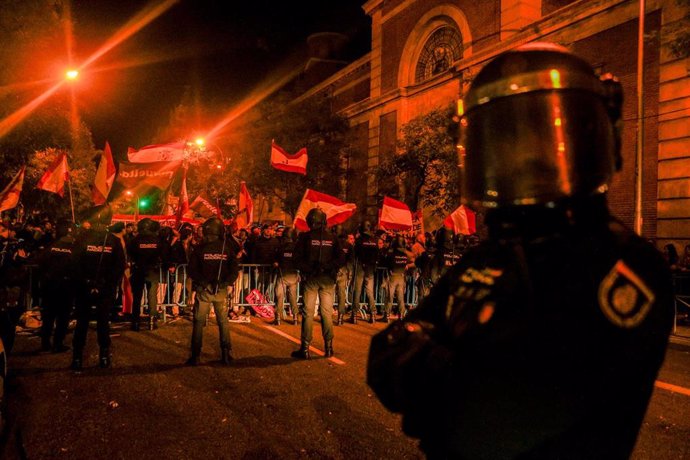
[441,50]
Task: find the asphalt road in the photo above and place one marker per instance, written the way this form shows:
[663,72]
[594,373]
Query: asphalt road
[265,405]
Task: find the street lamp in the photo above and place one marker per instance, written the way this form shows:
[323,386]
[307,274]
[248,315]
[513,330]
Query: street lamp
[71,74]
[130,194]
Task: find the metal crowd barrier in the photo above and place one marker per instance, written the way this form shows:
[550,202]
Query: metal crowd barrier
[681,297]
[172,290]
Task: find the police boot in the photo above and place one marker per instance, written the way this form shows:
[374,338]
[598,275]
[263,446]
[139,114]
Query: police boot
[226,356]
[193,360]
[385,318]
[353,317]
[77,362]
[372,317]
[105,359]
[295,320]
[136,325]
[340,319]
[153,323]
[276,320]
[328,348]
[302,353]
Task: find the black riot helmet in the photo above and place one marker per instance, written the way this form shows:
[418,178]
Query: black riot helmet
[64,227]
[365,227]
[148,226]
[538,127]
[213,227]
[316,219]
[290,235]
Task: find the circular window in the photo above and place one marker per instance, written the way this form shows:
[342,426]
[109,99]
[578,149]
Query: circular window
[441,50]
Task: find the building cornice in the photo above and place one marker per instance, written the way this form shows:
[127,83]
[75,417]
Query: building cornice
[371,5]
[342,73]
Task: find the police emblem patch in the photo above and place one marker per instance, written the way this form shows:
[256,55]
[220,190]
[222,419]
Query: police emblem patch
[623,297]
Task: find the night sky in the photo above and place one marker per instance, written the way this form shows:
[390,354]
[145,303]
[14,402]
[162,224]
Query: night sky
[216,51]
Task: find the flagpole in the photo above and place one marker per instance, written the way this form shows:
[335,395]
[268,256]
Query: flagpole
[71,200]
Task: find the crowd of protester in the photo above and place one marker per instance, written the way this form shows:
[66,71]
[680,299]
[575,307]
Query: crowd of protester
[417,259]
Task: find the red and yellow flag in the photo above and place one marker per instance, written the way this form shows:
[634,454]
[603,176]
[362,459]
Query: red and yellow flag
[54,178]
[9,197]
[105,176]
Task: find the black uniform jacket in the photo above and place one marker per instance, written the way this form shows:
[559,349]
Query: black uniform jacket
[542,348]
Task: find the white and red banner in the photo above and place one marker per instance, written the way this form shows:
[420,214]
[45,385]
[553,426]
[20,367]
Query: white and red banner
[395,215]
[174,151]
[105,177]
[204,206]
[336,211]
[137,176]
[54,178]
[461,221]
[164,219]
[284,161]
[245,213]
[9,197]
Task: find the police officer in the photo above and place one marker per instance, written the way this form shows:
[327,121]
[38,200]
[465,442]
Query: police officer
[146,252]
[344,277]
[100,263]
[366,255]
[213,268]
[57,285]
[398,260]
[288,277]
[446,254]
[546,339]
[318,257]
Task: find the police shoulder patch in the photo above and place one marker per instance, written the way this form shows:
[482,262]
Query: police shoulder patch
[624,298]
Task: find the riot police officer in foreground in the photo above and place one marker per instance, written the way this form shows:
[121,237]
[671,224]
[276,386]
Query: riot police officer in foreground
[57,283]
[546,339]
[146,252]
[318,256]
[100,263]
[213,268]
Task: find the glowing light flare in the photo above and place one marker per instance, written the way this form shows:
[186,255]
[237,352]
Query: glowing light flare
[256,96]
[200,141]
[12,120]
[134,25]
[72,74]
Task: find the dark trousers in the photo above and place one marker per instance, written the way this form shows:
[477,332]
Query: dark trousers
[204,301]
[151,279]
[103,300]
[58,299]
[323,287]
[364,278]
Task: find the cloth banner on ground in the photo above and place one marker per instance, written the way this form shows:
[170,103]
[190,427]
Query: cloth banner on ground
[174,151]
[336,211]
[461,221]
[245,214]
[395,215]
[259,304]
[54,178]
[9,197]
[139,175]
[105,177]
[282,160]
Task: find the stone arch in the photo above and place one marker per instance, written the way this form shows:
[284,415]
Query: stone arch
[430,22]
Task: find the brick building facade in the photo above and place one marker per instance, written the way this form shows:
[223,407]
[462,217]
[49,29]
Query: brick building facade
[424,54]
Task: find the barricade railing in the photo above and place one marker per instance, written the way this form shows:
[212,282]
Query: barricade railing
[173,289]
[681,298]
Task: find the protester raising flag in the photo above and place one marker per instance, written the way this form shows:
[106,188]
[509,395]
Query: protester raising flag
[245,213]
[461,221]
[183,202]
[105,177]
[282,160]
[395,215]
[336,211]
[174,151]
[204,206]
[9,197]
[54,178]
